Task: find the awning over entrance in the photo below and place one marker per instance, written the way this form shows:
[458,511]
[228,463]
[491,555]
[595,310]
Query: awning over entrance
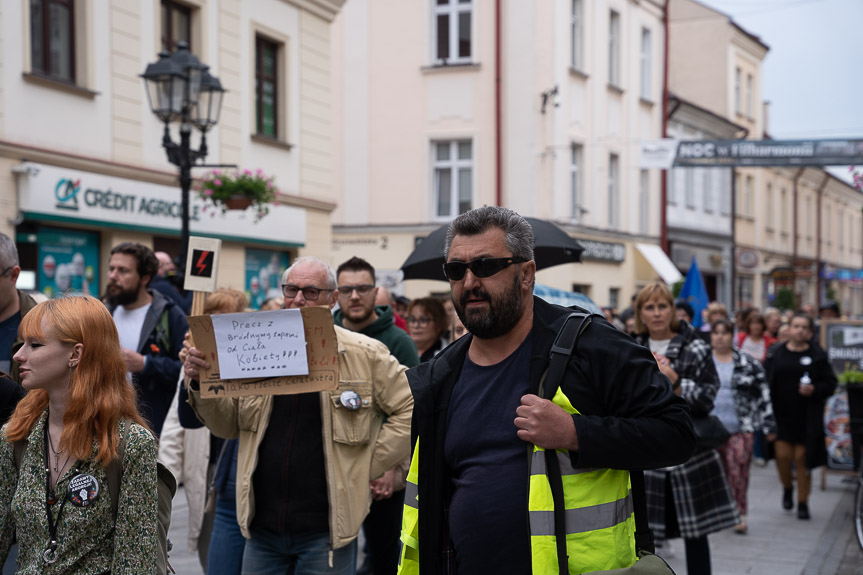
[660,263]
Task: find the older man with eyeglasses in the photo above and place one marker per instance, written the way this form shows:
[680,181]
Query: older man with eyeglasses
[478,493]
[14,305]
[305,460]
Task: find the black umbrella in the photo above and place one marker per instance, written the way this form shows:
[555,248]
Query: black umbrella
[552,247]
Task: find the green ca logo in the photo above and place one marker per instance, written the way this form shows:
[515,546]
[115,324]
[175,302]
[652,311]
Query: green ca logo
[66,193]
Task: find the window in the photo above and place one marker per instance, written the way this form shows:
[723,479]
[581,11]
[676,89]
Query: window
[689,190]
[52,39]
[644,201]
[783,211]
[577,34]
[266,88]
[575,182]
[614,49]
[748,196]
[176,25]
[745,287]
[672,185]
[828,225]
[613,184]
[581,288]
[452,31]
[725,180]
[737,75]
[646,87]
[613,297]
[768,219]
[707,185]
[749,95]
[453,177]
[840,230]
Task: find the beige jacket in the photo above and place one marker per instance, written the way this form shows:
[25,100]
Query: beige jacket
[358,445]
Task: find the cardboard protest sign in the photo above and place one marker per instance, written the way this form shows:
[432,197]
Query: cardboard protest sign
[319,340]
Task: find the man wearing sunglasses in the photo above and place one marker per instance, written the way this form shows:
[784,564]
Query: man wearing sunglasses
[305,460]
[358,312]
[14,305]
[478,495]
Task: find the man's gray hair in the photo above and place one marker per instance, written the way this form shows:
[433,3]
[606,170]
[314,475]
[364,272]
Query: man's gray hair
[331,273]
[518,233]
[8,252]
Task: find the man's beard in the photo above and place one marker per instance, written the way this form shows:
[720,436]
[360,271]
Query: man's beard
[124,297]
[504,311]
[359,317]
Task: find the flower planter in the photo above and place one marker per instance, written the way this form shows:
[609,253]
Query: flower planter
[238,202]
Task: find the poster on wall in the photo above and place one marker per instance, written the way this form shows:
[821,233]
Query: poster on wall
[264,269]
[68,262]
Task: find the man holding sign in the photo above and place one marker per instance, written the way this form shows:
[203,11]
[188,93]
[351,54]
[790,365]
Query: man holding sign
[305,460]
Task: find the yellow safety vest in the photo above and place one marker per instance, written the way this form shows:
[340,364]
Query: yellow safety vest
[600,525]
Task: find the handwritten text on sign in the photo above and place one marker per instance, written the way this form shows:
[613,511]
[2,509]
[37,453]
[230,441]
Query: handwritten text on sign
[261,344]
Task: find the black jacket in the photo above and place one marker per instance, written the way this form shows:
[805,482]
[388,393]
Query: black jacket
[628,416]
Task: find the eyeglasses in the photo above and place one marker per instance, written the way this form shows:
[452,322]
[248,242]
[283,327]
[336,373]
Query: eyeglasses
[481,268]
[6,271]
[423,321]
[310,293]
[362,290]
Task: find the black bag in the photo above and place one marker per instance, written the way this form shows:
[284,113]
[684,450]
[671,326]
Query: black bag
[648,563]
[709,432]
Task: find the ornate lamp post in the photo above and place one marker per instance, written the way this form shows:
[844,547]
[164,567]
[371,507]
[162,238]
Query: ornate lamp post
[180,89]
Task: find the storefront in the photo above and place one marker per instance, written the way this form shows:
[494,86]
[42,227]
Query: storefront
[69,220]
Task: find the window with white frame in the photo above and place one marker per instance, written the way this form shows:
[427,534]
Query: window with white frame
[614,48]
[689,189]
[646,63]
[613,297]
[707,189]
[613,186]
[749,95]
[575,164]
[671,179]
[748,195]
[783,211]
[770,215]
[644,202]
[725,179]
[452,38]
[453,177]
[737,79]
[576,25]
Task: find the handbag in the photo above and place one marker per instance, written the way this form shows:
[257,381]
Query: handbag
[647,563]
[710,433]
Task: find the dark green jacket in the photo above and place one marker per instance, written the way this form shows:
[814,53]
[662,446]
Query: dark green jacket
[385,331]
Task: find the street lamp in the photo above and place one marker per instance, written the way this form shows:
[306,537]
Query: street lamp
[180,88]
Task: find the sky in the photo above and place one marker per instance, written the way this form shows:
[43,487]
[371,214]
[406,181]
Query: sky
[813,73]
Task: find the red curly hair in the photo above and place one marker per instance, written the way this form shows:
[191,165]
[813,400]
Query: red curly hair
[99,395]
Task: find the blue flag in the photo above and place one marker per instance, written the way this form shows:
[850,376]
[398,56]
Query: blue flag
[694,293]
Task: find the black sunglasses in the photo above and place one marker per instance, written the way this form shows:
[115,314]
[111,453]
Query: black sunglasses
[481,268]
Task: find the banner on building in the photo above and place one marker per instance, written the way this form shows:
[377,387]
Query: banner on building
[669,153]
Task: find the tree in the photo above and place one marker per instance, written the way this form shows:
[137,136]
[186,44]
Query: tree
[784,298]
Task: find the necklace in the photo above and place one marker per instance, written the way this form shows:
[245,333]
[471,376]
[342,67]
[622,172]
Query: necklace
[55,452]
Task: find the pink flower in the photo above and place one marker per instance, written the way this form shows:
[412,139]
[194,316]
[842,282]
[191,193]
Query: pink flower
[259,171]
[208,192]
[217,172]
[217,182]
[247,172]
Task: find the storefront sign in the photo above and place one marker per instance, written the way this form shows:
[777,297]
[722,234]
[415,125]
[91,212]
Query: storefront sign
[602,251]
[715,153]
[59,194]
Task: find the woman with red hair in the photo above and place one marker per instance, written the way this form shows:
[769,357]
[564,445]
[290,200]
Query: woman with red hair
[54,494]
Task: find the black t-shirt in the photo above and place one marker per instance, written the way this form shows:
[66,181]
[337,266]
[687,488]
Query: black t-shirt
[488,518]
[789,407]
[8,335]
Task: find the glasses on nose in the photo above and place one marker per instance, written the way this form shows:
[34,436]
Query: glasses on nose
[310,293]
[362,290]
[422,321]
[481,268]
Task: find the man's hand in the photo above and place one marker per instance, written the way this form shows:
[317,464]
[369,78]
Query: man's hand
[194,362]
[382,487]
[545,424]
[134,360]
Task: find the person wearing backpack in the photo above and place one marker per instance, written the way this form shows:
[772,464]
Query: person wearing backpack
[78,420]
[151,329]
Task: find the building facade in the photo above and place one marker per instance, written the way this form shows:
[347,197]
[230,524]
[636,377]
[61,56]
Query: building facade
[538,107]
[81,160]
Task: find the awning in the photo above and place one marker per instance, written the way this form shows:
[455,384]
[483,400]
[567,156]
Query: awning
[660,263]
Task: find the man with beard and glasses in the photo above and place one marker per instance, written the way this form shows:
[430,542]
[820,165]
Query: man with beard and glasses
[357,312]
[477,494]
[151,329]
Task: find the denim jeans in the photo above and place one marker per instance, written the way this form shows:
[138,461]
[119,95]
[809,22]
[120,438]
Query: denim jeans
[269,553]
[225,556]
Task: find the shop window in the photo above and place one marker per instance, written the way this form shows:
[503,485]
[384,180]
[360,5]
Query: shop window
[264,270]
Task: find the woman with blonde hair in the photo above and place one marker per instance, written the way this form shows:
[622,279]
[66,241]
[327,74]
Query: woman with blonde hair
[690,500]
[78,407]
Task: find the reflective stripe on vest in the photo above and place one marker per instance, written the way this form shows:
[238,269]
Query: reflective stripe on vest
[409,555]
[600,524]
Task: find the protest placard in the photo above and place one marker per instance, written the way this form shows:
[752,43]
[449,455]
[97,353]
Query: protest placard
[318,339]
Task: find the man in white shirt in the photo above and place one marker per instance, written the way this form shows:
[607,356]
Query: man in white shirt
[151,329]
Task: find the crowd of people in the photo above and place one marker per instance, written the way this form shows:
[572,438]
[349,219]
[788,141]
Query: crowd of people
[285,483]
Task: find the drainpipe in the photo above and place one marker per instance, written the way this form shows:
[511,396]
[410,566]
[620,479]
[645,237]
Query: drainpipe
[498,137]
[663,186]
[794,228]
[818,262]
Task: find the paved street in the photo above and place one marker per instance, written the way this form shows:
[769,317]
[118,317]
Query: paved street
[777,544]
